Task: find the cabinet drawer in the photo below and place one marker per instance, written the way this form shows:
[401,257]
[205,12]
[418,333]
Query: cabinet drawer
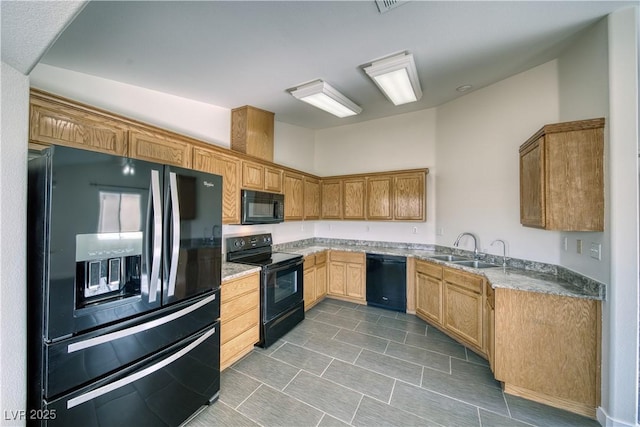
[242,285]
[233,327]
[236,306]
[432,270]
[309,261]
[321,258]
[233,349]
[351,257]
[464,280]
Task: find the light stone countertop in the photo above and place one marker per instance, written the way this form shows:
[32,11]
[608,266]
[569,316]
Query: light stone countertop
[499,277]
[232,270]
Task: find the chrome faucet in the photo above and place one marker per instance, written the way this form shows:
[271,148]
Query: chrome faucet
[504,251]
[475,243]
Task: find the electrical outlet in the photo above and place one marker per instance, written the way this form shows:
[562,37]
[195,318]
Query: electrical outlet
[596,251]
[579,246]
[565,244]
[440,231]
[415,230]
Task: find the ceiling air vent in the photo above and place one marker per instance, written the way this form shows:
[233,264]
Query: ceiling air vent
[387,5]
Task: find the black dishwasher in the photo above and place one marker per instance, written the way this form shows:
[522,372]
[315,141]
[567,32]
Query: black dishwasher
[387,282]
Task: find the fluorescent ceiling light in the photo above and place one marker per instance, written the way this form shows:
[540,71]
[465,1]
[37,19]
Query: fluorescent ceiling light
[323,96]
[397,78]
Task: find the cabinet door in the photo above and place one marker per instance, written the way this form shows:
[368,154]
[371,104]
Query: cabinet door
[409,197]
[532,195]
[355,281]
[252,175]
[337,278]
[429,299]
[309,291]
[463,313]
[311,198]
[321,280]
[229,168]
[160,149]
[354,198]
[332,199]
[272,179]
[380,198]
[293,196]
[66,126]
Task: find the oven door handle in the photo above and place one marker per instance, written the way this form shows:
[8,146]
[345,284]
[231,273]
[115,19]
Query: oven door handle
[284,266]
[138,375]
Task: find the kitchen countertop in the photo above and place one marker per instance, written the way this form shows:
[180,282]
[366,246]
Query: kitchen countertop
[232,270]
[499,277]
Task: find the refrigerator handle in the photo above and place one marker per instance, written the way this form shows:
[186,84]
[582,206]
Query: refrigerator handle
[157,235]
[175,236]
[138,375]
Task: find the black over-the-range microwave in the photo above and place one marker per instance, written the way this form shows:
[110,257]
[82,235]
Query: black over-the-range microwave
[259,207]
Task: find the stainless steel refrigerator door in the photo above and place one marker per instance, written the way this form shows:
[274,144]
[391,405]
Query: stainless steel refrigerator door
[192,233]
[98,213]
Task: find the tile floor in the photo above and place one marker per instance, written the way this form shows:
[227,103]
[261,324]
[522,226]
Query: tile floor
[348,364]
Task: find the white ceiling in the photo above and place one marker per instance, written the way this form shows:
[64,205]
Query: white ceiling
[233,53]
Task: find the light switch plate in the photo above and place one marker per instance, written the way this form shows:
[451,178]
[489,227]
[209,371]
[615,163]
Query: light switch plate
[579,246]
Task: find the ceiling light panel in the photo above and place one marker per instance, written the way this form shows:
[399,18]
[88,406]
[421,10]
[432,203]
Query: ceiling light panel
[397,78]
[322,95]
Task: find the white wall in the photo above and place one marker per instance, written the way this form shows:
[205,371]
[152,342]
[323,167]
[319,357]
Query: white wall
[478,136]
[403,141]
[620,312]
[206,122]
[584,94]
[13,214]
[294,147]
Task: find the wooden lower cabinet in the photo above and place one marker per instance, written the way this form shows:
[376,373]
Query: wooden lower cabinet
[429,292]
[315,279]
[239,318]
[463,306]
[489,325]
[347,276]
[547,348]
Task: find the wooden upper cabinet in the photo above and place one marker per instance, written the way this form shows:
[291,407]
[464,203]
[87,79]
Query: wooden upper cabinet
[159,148]
[252,132]
[311,198]
[380,197]
[252,175]
[60,124]
[293,196]
[272,179]
[331,199]
[228,167]
[409,197]
[353,201]
[562,177]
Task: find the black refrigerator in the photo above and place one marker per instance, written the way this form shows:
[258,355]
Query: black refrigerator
[124,264]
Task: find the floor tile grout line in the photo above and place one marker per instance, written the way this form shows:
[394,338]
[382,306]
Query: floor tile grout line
[247,398]
[299,400]
[479,416]
[356,411]
[393,388]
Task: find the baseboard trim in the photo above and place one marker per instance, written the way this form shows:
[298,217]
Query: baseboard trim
[606,421]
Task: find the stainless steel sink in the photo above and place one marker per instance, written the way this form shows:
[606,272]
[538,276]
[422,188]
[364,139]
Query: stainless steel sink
[449,258]
[475,264]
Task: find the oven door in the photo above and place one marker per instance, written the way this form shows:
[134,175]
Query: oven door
[282,288]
